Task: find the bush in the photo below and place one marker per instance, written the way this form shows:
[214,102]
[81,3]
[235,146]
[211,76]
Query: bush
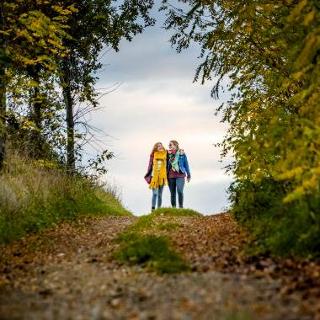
[139,246]
[150,251]
[280,228]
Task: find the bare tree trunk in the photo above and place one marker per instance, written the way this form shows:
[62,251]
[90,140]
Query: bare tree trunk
[3,102]
[37,109]
[37,141]
[70,130]
[69,104]
[3,107]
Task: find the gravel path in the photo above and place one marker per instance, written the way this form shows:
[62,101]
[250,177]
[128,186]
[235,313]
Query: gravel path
[68,273]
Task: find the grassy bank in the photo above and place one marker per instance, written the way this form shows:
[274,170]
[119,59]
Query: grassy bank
[34,195]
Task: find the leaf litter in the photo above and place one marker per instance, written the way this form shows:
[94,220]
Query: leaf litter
[68,272]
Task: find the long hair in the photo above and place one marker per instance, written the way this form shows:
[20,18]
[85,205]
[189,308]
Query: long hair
[155,147]
[176,143]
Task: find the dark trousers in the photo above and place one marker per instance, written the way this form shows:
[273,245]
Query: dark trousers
[176,185]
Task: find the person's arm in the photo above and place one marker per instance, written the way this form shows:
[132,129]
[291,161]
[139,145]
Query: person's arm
[149,171]
[187,168]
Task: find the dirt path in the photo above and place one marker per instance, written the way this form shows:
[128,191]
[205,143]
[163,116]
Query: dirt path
[68,273]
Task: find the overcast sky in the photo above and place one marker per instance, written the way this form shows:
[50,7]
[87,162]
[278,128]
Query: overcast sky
[158,101]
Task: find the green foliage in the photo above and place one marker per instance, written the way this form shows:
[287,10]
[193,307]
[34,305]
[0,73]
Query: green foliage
[49,58]
[284,229]
[95,25]
[33,197]
[33,33]
[175,212]
[269,53]
[97,165]
[31,37]
[150,251]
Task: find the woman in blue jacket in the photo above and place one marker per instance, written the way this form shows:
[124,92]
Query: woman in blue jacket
[177,169]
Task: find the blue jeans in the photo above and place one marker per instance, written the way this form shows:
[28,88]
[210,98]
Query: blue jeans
[157,195]
[176,185]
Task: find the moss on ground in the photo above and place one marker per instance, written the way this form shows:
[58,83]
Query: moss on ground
[150,251]
[141,245]
[177,212]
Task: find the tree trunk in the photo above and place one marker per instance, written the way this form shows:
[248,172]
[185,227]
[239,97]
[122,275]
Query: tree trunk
[36,144]
[70,131]
[37,112]
[3,107]
[3,102]
[69,104]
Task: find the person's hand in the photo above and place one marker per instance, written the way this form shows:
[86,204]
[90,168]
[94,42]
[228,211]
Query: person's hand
[188,179]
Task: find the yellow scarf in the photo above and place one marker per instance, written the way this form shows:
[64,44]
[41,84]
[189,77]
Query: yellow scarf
[159,171]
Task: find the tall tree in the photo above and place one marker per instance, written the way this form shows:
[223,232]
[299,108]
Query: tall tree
[96,24]
[269,54]
[31,35]
[3,65]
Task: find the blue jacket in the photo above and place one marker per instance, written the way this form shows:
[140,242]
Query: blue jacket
[183,165]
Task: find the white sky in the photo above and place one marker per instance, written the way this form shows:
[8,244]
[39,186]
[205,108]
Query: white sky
[157,101]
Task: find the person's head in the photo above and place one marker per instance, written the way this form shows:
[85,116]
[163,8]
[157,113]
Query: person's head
[157,147]
[173,145]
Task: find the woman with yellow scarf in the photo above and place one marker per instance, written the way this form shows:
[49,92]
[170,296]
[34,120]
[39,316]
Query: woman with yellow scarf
[157,173]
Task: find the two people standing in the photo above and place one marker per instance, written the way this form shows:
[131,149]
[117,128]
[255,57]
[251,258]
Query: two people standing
[167,167]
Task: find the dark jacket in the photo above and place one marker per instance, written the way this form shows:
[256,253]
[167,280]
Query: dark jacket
[149,170]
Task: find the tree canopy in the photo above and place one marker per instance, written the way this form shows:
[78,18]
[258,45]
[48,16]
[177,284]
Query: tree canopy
[49,58]
[269,56]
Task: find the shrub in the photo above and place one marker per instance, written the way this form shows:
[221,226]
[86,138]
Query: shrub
[151,251]
[280,228]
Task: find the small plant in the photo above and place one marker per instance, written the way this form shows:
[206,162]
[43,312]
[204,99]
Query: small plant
[150,251]
[139,246]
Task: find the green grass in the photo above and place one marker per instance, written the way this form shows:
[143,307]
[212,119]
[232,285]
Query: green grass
[33,198]
[139,245]
[170,226]
[143,223]
[148,221]
[150,251]
[176,212]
